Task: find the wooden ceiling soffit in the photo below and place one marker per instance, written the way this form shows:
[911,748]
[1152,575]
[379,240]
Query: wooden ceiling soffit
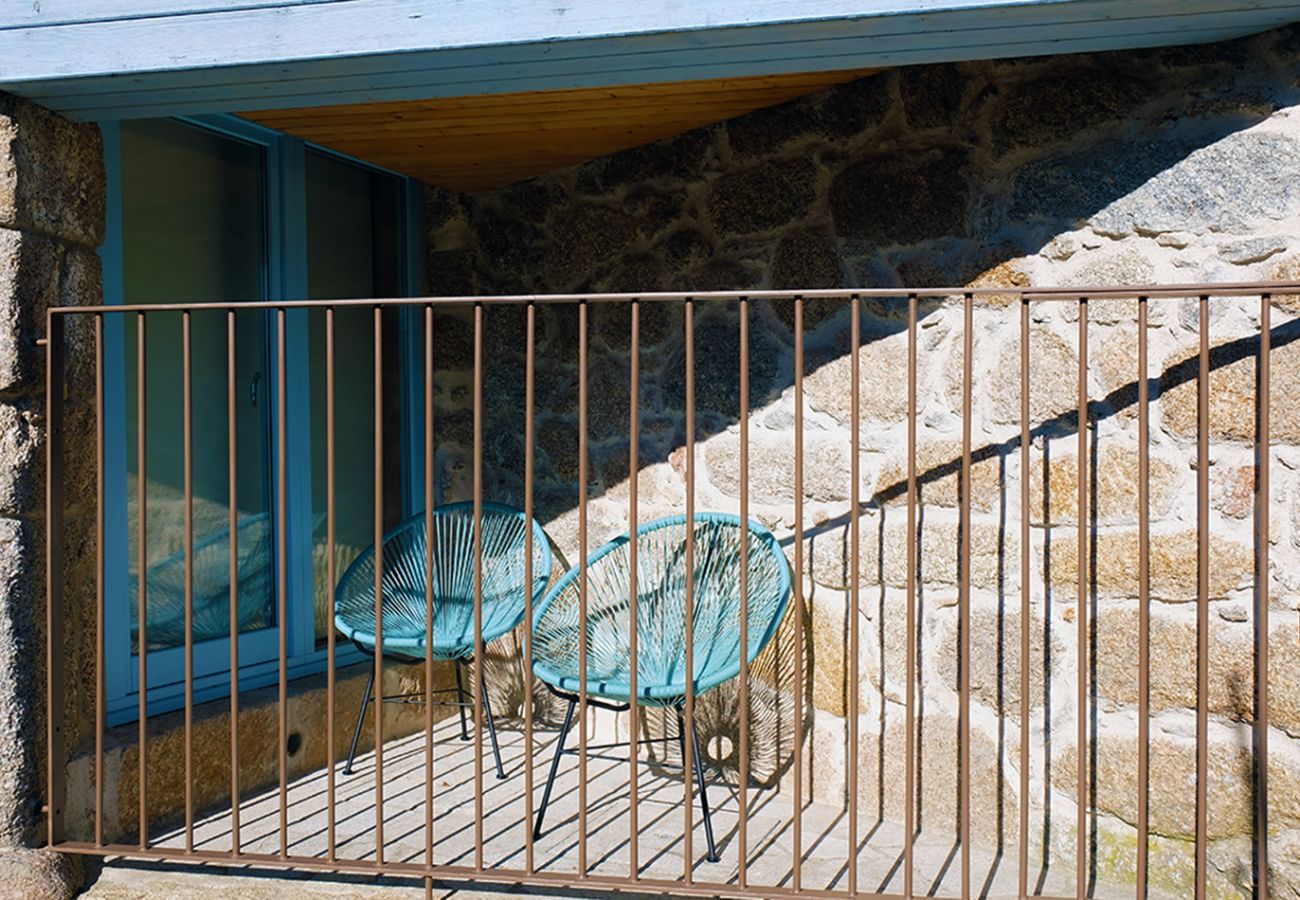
[478,143]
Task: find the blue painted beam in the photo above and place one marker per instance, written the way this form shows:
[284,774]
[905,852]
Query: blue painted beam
[247,56]
[509,70]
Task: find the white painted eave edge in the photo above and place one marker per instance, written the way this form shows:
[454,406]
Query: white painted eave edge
[333,29]
[103,70]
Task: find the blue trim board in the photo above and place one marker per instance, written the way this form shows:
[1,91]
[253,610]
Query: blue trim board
[233,58]
[845,54]
[117,638]
[412,346]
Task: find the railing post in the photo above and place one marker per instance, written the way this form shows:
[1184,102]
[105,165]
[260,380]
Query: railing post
[1144,604]
[56,760]
[1081,620]
[964,590]
[1203,601]
[1263,401]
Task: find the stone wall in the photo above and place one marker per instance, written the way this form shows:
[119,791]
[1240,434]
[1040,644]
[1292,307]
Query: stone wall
[1169,166]
[51,221]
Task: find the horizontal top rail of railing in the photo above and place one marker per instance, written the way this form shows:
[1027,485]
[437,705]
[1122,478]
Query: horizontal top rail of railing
[1096,292]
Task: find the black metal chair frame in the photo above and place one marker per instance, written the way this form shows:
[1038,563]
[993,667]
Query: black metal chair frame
[465,700]
[560,750]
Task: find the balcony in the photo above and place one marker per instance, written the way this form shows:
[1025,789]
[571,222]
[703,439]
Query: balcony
[911,722]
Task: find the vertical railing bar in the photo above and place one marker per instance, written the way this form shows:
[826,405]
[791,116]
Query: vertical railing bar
[377,523]
[530,403]
[583,637]
[378,516]
[855,340]
[479,649]
[331,538]
[1081,737]
[232,466]
[1025,475]
[187,448]
[797,812]
[142,580]
[968,344]
[633,464]
[1262,600]
[56,758]
[688,737]
[282,580]
[428,591]
[1144,603]
[909,815]
[742,791]
[1202,597]
[101,692]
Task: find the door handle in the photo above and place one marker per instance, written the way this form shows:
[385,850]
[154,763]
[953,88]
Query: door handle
[252,388]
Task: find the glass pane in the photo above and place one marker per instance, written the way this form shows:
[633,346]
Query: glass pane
[193,226]
[354,249]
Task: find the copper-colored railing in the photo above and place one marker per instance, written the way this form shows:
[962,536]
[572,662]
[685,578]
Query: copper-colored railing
[61,321]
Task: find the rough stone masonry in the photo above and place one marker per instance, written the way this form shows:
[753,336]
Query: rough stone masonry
[51,222]
[1162,166]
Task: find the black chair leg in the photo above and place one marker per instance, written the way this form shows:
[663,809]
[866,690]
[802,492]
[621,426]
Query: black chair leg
[361,718]
[555,767]
[699,776]
[492,727]
[460,699]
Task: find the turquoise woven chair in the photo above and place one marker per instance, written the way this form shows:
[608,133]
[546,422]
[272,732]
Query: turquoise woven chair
[405,632]
[661,623]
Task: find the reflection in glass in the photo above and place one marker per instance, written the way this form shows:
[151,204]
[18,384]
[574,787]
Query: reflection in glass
[211,619]
[353,250]
[193,226]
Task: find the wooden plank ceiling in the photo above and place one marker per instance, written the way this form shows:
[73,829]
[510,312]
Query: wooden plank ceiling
[477,143]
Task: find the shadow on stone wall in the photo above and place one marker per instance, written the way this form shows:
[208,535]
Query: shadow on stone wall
[1163,166]
[1080,169]
[939,482]
[995,553]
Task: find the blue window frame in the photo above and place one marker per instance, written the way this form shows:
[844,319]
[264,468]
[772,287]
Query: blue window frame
[283,276]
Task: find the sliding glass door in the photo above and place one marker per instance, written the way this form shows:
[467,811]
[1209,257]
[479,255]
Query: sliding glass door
[194,214]
[221,212]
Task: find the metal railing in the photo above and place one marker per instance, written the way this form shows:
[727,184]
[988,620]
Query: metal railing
[692,882]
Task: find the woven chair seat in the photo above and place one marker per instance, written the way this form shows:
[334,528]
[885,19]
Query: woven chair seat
[504,544]
[661,611]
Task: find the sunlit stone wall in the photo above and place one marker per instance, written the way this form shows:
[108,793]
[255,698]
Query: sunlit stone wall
[1166,166]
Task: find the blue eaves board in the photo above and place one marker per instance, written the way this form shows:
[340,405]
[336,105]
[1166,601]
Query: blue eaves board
[108,59]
